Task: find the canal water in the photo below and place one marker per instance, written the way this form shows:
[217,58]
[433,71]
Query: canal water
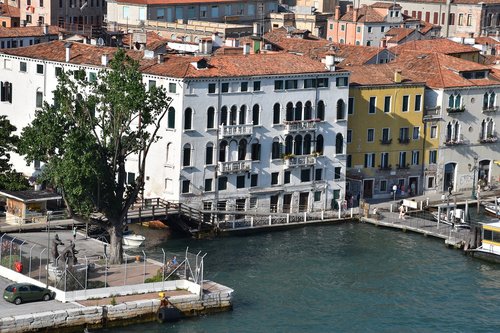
[349,277]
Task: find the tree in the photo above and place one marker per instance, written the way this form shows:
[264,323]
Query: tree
[85,137]
[9,178]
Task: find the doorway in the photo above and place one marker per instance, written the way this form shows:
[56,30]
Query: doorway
[413,185]
[449,176]
[287,202]
[303,201]
[367,188]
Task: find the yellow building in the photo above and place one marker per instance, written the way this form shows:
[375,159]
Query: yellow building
[387,144]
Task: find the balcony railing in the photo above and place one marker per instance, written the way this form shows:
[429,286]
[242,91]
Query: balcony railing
[403,166]
[456,110]
[235,166]
[300,161]
[489,139]
[431,113]
[404,141]
[385,141]
[385,167]
[490,109]
[235,130]
[300,125]
[454,142]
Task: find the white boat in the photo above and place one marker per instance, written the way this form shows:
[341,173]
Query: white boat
[492,208]
[133,240]
[456,218]
[490,243]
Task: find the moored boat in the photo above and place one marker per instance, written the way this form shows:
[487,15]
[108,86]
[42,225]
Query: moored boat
[133,240]
[492,208]
[490,243]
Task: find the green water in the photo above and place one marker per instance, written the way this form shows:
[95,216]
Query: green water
[343,278]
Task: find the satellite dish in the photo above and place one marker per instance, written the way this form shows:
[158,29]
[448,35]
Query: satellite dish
[100,41]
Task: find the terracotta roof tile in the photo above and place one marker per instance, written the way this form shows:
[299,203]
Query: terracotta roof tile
[486,41]
[439,45]
[365,14]
[27,31]
[9,11]
[381,74]
[398,34]
[179,66]
[172,2]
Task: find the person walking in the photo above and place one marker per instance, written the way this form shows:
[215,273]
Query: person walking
[402,212]
[74,234]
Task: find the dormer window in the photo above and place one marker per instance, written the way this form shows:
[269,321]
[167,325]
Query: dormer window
[201,64]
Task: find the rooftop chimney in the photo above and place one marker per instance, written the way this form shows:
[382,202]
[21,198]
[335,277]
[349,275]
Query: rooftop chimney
[104,59]
[246,48]
[397,76]
[161,58]
[330,60]
[68,53]
[337,13]
[349,8]
[256,29]
[46,29]
[355,15]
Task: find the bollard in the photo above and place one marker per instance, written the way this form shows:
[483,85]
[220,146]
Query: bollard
[270,220]
[251,221]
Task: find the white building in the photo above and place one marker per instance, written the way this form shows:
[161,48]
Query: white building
[244,131]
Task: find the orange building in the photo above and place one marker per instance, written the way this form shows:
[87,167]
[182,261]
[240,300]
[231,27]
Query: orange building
[9,16]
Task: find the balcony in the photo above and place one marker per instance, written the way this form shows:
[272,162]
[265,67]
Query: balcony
[385,141]
[235,130]
[300,125]
[385,167]
[454,142]
[489,139]
[455,110]
[431,113]
[404,141]
[402,166]
[490,109]
[300,161]
[235,166]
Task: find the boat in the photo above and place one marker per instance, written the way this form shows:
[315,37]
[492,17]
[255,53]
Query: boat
[456,218]
[492,208]
[133,240]
[489,249]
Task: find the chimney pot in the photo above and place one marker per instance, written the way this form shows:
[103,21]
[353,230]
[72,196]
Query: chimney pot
[397,76]
[337,13]
[161,58]
[68,52]
[104,59]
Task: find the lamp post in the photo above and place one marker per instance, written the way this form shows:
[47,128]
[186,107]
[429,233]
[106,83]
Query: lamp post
[473,168]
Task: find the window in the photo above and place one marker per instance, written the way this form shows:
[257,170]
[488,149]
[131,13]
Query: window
[383,186]
[191,12]
[416,133]
[384,160]
[92,76]
[372,103]
[171,118]
[186,161]
[350,108]
[274,178]
[208,184]
[405,103]
[255,114]
[203,11]
[225,87]
[286,178]
[305,175]
[370,137]
[291,84]
[404,135]
[386,135]
[455,101]
[460,19]
[210,118]
[322,82]
[209,154]
[369,29]
[125,11]
[369,160]
[402,159]
[39,69]
[28,19]
[240,181]
[214,11]
[418,102]
[317,196]
[349,161]
[342,27]
[318,174]
[341,82]
[6,92]
[415,157]
[22,66]
[58,71]
[172,88]
[39,99]
[222,182]
[337,172]
[211,88]
[320,110]
[432,156]
[188,119]
[310,83]
[244,86]
[489,100]
[469,20]
[433,131]
[349,136]
[276,149]
[276,113]
[185,186]
[278,85]
[255,151]
[382,29]
[142,14]
[254,180]
[256,85]
[358,29]
[387,104]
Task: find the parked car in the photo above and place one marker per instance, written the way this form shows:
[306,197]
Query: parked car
[18,293]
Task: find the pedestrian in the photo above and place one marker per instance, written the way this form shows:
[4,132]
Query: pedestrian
[402,212]
[174,261]
[74,233]
[412,188]
[358,197]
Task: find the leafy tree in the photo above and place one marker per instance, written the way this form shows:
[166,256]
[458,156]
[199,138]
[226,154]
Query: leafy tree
[9,178]
[86,136]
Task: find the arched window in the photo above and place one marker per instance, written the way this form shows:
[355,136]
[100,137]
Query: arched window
[339,144]
[276,113]
[211,117]
[288,145]
[243,115]
[276,149]
[453,131]
[319,144]
[289,111]
[320,110]
[171,118]
[298,111]
[223,115]
[188,119]
[340,109]
[298,145]
[223,151]
[209,154]
[307,144]
[233,115]
[455,101]
[168,153]
[242,150]
[489,100]
[255,114]
[186,158]
[487,129]
[308,111]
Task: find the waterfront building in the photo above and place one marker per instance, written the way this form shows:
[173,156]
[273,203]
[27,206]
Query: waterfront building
[244,131]
[9,15]
[25,36]
[463,18]
[386,141]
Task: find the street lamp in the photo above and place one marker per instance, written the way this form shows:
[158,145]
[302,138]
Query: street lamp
[473,168]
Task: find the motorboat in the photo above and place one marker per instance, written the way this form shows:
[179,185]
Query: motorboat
[490,243]
[456,218]
[492,209]
[133,240]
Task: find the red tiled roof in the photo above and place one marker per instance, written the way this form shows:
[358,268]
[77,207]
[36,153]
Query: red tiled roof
[380,74]
[9,11]
[398,34]
[179,66]
[486,41]
[172,2]
[439,45]
[365,14]
[385,5]
[17,32]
